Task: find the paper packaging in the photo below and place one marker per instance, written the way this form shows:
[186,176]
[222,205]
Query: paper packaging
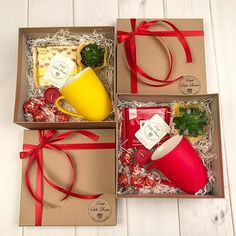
[95,173]
[218,190]
[21,95]
[153,59]
[134,118]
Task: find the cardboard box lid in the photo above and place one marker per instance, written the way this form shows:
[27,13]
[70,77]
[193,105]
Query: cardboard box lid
[152,58]
[95,173]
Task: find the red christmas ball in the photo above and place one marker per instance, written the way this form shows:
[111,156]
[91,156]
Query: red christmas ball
[39,116]
[137,181]
[30,106]
[61,117]
[136,169]
[123,180]
[150,182]
[126,158]
[41,101]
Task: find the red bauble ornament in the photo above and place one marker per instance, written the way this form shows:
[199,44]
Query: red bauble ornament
[41,101]
[61,117]
[137,182]
[39,116]
[150,182]
[123,180]
[31,106]
[126,158]
[136,169]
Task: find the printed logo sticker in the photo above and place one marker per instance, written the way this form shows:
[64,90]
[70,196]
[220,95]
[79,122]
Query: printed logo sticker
[189,85]
[99,210]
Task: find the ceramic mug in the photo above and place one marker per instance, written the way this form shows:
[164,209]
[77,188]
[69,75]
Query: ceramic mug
[87,95]
[177,159]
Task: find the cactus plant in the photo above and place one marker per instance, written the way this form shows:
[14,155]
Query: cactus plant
[190,122]
[92,55]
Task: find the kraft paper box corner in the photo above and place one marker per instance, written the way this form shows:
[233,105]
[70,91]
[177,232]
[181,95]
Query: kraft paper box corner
[94,174]
[217,164]
[153,56]
[21,83]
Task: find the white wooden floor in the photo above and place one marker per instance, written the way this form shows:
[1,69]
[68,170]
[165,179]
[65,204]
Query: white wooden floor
[136,217]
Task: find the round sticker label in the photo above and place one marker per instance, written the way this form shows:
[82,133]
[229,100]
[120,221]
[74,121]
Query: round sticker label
[189,85]
[99,210]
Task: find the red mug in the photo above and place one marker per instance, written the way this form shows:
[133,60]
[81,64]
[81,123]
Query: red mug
[180,163]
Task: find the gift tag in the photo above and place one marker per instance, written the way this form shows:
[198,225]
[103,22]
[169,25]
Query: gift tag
[152,131]
[59,70]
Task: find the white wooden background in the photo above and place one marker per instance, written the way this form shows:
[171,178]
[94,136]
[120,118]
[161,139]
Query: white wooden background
[136,217]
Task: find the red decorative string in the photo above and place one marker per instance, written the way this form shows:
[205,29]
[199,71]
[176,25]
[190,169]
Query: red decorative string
[128,38]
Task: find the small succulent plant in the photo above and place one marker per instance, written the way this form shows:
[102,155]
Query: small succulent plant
[191,121]
[92,55]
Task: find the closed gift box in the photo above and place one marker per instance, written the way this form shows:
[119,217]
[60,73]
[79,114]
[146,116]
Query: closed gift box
[93,156]
[165,50]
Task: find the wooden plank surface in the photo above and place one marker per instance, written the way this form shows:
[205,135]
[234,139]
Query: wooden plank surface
[135,216]
[223,20]
[13,15]
[216,213]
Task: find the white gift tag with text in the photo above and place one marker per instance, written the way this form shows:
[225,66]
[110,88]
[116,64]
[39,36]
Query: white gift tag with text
[59,70]
[152,131]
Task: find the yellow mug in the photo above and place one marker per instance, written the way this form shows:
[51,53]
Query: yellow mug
[87,95]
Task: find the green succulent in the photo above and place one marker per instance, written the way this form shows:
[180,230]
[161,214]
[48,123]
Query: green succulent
[190,122]
[92,55]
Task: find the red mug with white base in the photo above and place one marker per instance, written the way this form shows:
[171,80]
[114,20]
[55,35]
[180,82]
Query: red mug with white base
[180,163]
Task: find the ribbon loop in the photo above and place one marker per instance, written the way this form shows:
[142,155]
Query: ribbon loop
[128,38]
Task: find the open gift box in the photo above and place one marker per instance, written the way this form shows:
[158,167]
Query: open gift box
[68,177]
[161,56]
[25,71]
[126,169]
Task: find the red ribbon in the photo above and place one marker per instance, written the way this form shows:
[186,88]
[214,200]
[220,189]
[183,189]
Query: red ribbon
[130,50]
[34,153]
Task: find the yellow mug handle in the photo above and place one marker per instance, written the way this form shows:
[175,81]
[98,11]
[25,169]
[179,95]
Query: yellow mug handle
[66,111]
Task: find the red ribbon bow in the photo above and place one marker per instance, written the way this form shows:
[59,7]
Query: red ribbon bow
[47,140]
[130,50]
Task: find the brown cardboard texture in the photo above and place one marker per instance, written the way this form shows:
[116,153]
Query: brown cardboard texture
[95,174]
[218,190]
[21,93]
[152,58]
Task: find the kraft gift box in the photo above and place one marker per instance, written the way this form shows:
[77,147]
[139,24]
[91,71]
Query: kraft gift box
[217,165]
[21,85]
[94,165]
[153,45]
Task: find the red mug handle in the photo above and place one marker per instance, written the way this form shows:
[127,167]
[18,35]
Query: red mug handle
[165,182]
